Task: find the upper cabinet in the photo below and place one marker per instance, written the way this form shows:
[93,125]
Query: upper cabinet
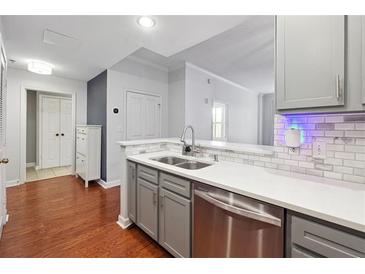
[310,61]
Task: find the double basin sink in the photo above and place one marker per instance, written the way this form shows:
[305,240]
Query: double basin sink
[180,162]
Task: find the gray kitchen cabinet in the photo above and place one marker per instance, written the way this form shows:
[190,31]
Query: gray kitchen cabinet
[308,238]
[174,224]
[132,186]
[310,61]
[147,207]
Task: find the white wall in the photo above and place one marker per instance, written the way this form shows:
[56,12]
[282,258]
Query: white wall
[130,74]
[242,106]
[17,79]
[176,102]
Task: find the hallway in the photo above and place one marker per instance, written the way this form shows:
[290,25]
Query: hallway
[58,217]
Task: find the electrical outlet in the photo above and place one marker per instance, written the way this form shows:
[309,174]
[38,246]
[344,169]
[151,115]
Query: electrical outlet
[319,150]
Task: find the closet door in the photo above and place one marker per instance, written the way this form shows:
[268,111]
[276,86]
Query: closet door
[65,132]
[50,136]
[143,113]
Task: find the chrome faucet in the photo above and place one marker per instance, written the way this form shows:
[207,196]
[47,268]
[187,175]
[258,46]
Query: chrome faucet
[188,149]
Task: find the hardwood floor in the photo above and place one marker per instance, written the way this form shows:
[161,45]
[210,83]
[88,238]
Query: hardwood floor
[60,218]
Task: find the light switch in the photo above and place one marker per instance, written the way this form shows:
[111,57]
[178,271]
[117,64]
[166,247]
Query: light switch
[319,150]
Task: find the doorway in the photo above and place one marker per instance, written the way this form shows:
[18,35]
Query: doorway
[49,131]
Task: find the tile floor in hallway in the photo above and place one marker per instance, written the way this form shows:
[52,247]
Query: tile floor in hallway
[40,174]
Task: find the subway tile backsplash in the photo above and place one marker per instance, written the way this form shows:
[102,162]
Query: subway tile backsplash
[344,136]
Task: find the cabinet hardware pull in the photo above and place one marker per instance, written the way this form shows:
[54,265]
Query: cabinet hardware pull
[155,198]
[338,87]
[161,201]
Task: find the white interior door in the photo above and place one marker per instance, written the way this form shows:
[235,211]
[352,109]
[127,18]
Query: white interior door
[2,136]
[135,123]
[142,116]
[152,117]
[50,133]
[65,132]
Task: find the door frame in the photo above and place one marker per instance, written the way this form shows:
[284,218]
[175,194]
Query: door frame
[23,126]
[40,96]
[143,92]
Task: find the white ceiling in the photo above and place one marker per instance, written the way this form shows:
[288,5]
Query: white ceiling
[243,54]
[102,41]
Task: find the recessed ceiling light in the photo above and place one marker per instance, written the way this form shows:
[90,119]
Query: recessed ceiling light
[40,67]
[146,22]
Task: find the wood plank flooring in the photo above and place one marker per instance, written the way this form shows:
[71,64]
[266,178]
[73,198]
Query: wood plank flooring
[60,218]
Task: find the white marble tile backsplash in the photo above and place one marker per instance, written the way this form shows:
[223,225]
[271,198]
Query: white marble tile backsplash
[344,136]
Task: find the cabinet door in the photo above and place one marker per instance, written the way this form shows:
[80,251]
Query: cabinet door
[132,206]
[147,205]
[175,231]
[310,61]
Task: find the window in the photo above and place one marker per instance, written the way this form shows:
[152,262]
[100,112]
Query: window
[219,121]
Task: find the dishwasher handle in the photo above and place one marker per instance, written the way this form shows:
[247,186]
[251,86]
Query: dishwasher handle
[266,218]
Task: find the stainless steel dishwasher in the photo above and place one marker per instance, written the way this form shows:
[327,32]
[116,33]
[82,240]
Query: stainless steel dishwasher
[226,224]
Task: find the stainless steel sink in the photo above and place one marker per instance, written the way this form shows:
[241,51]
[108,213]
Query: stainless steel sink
[193,165]
[180,162]
[170,160]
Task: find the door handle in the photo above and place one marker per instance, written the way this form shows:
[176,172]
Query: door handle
[338,87]
[4,161]
[259,216]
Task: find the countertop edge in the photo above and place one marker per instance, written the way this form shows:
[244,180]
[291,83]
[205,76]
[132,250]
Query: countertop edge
[306,211]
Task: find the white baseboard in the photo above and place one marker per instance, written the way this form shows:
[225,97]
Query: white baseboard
[107,185]
[12,183]
[123,222]
[30,164]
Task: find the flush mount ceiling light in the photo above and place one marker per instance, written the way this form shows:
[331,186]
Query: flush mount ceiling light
[146,22]
[40,67]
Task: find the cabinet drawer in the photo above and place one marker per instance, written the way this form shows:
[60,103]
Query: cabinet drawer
[81,166]
[148,174]
[81,130]
[81,144]
[175,184]
[324,240]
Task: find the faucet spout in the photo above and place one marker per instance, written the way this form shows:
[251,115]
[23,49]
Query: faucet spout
[182,139]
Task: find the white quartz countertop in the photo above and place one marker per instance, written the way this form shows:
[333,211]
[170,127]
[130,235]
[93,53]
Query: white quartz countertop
[342,203]
[238,147]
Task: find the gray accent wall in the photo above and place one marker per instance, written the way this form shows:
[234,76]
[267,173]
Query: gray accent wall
[31,126]
[96,113]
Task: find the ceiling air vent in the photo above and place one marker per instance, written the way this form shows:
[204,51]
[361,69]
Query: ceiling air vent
[61,40]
